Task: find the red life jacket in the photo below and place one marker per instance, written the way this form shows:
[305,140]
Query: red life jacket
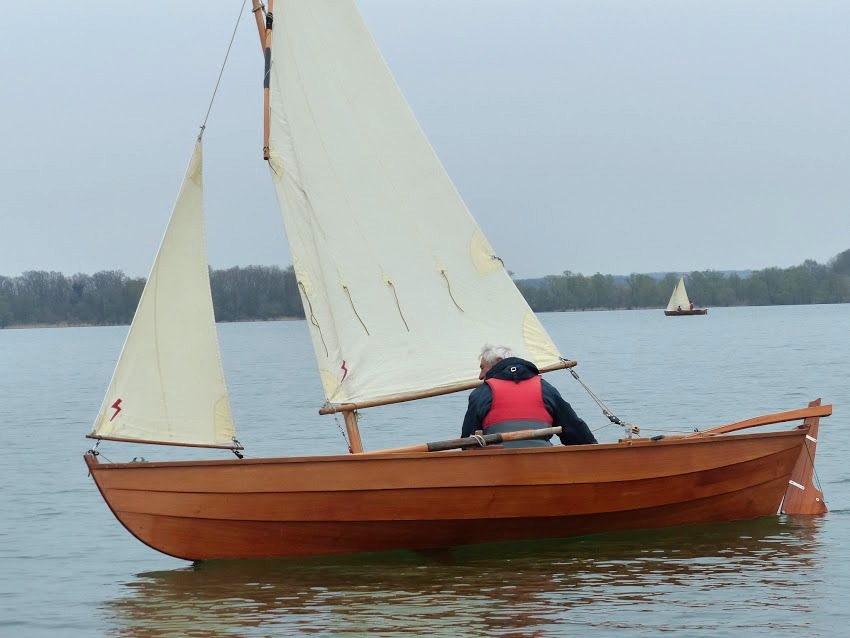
[521,401]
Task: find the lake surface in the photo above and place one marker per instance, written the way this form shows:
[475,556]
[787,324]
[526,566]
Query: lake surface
[70,569]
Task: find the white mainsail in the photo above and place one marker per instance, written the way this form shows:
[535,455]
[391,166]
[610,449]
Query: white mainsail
[168,385]
[400,287]
[679,298]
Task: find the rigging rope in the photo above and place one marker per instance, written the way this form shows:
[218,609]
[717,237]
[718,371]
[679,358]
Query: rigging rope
[630,428]
[815,473]
[221,72]
[328,404]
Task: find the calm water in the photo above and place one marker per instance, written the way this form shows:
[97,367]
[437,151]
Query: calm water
[69,568]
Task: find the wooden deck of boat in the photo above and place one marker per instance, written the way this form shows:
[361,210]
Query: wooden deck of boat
[257,508]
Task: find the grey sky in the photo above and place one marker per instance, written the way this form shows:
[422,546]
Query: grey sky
[613,136]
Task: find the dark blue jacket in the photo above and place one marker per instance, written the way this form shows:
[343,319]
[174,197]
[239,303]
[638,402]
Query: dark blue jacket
[575,431]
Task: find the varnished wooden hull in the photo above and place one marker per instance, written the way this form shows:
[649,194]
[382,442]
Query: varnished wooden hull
[361,503]
[686,313]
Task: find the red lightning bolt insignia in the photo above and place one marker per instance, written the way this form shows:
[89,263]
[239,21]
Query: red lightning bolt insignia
[344,371]
[117,407]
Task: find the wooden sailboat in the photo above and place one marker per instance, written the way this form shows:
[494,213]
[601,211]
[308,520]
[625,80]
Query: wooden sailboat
[679,304]
[366,206]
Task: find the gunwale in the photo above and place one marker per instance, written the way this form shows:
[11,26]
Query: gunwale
[423,455]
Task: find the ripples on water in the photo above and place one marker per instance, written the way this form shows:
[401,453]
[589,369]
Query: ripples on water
[683,581]
[69,569]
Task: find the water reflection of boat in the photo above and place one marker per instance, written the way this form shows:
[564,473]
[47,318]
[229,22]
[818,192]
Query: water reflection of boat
[513,588]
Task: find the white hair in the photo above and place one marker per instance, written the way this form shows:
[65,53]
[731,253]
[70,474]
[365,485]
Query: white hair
[492,354]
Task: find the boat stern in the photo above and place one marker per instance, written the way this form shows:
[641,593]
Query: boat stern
[801,495]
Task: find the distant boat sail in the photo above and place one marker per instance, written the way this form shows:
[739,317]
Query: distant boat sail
[680,305]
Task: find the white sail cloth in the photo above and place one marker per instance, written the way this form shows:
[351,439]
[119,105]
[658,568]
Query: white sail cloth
[400,287]
[168,385]
[679,298]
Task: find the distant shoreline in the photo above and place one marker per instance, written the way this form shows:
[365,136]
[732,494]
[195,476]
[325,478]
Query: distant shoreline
[41,299]
[34,326]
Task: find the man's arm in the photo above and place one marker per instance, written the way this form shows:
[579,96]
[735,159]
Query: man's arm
[480,401]
[574,429]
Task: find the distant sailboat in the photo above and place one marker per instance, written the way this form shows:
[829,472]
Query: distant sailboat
[680,305]
[391,268]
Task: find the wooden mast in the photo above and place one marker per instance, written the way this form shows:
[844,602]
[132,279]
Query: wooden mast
[268,58]
[353,431]
[265,32]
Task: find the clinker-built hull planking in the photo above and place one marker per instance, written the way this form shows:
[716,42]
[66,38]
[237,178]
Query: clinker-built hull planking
[362,503]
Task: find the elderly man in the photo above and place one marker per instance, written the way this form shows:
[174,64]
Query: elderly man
[515,397]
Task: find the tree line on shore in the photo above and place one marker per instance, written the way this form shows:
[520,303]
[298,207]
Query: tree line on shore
[269,292]
[807,283]
[110,297]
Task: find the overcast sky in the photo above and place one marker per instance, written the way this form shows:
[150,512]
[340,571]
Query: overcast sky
[613,136]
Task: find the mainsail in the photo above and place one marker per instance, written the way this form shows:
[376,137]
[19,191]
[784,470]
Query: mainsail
[679,298]
[399,285]
[168,385]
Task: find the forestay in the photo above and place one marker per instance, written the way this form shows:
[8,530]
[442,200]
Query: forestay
[679,298]
[168,386]
[400,287]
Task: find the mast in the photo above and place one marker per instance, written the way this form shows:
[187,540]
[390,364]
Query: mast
[350,415]
[353,431]
[267,52]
